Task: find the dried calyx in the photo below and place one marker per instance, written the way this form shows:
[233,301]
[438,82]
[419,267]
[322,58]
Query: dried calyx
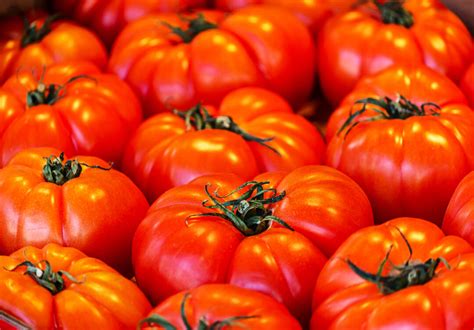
[32,34]
[393,12]
[194,27]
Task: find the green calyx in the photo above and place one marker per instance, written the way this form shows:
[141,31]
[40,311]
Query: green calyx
[203,324]
[393,12]
[195,26]
[32,34]
[59,172]
[402,276]
[198,118]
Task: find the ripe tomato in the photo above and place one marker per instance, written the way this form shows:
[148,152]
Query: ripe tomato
[61,288]
[459,218]
[44,41]
[44,199]
[467,84]
[69,106]
[182,243]
[406,137]
[221,305]
[169,151]
[420,294]
[373,37]
[176,61]
[108,17]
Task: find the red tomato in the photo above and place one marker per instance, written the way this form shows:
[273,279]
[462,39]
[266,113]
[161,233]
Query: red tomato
[421,294]
[70,106]
[459,218]
[44,42]
[410,157]
[166,151]
[215,54]
[224,305]
[366,40]
[181,251]
[467,84]
[95,210]
[61,288]
[108,17]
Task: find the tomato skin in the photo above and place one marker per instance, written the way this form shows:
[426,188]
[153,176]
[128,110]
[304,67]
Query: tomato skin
[103,298]
[358,43]
[459,217]
[217,302]
[97,212]
[66,42]
[407,167]
[163,154]
[342,298]
[467,84]
[277,262]
[250,47]
[96,115]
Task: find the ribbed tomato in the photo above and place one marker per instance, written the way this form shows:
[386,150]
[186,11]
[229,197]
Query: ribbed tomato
[61,288]
[69,106]
[178,60]
[394,276]
[80,202]
[45,41]
[253,131]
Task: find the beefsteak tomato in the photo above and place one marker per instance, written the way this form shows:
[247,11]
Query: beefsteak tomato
[393,276]
[79,202]
[178,60]
[377,35]
[61,288]
[214,306]
[69,106]
[406,136]
[242,233]
[38,41]
[459,217]
[172,149]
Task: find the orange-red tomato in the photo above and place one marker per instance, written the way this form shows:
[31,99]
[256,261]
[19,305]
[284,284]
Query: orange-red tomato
[108,17]
[366,40]
[467,84]
[422,294]
[459,218]
[69,106]
[166,151]
[41,296]
[95,210]
[43,43]
[218,303]
[215,54]
[409,157]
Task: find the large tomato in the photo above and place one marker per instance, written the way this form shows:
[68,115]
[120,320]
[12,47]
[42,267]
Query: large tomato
[374,37]
[467,84]
[79,202]
[176,61]
[69,106]
[221,305]
[246,245]
[61,288]
[412,292]
[169,151]
[44,41]
[108,17]
[406,136]
[459,218]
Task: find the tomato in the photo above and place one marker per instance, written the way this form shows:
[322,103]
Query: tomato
[70,106]
[421,294]
[107,17]
[81,203]
[43,42]
[410,157]
[459,217]
[371,38]
[62,288]
[168,151]
[175,61]
[224,305]
[467,84]
[183,243]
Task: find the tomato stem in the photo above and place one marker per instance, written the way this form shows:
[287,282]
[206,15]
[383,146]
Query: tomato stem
[13,321]
[393,12]
[31,33]
[195,26]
